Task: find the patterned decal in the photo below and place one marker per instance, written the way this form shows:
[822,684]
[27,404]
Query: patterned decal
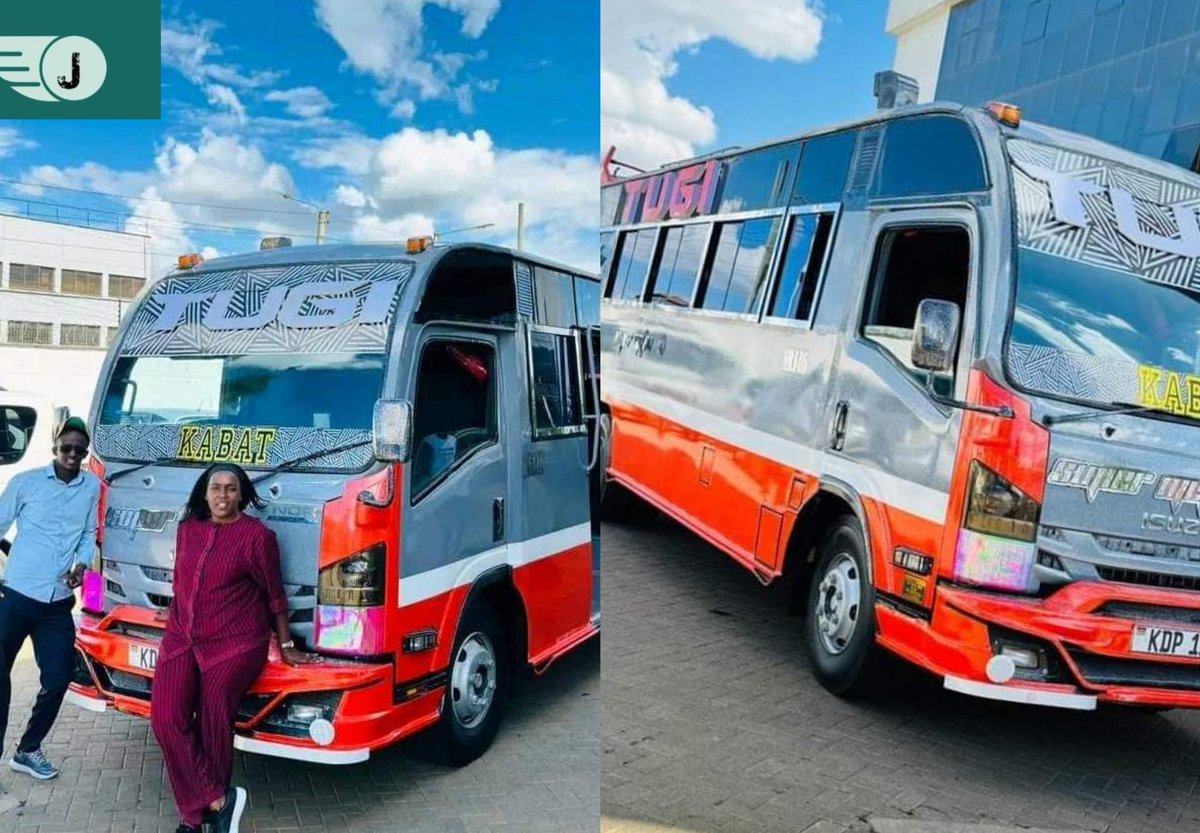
[162,442]
[307,308]
[1074,374]
[1106,214]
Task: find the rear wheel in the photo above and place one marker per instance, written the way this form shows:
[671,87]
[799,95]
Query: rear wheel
[477,688]
[618,504]
[841,614]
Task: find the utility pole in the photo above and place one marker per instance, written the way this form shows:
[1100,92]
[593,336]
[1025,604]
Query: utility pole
[520,226]
[322,225]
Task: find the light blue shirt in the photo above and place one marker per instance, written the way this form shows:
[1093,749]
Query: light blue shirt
[56,528]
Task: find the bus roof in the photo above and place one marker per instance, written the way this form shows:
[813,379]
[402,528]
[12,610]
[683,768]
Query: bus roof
[1027,130]
[346,252]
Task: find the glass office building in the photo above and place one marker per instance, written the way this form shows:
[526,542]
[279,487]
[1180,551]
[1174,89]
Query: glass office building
[1125,71]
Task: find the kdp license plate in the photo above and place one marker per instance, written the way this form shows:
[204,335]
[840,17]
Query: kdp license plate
[143,657]
[1169,642]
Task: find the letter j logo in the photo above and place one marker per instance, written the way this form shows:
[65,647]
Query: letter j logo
[52,68]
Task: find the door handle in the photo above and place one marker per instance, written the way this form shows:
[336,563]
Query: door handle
[498,519]
[837,432]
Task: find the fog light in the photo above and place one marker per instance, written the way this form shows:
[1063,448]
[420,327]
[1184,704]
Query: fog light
[300,713]
[1022,657]
[321,731]
[1001,669]
[415,643]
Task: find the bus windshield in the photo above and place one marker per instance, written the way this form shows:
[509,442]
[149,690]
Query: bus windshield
[1087,333]
[324,391]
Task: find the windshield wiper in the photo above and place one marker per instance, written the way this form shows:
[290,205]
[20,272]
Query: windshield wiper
[161,461]
[1107,408]
[313,455]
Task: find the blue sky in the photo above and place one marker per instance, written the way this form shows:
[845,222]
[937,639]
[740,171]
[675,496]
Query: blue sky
[734,73]
[400,116]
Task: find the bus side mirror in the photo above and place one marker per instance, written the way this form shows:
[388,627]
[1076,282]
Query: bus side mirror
[391,431]
[935,335]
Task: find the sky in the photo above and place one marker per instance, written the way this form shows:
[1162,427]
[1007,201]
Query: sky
[401,117]
[684,77]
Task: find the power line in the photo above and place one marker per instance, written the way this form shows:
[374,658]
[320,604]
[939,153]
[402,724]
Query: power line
[112,195]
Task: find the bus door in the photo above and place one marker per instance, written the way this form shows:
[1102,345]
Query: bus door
[456,479]
[555,480]
[589,340]
[888,439]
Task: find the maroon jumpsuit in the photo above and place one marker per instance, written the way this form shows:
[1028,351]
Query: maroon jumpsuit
[228,590]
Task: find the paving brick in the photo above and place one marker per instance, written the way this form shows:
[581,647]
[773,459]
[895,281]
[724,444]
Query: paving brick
[712,721]
[545,764]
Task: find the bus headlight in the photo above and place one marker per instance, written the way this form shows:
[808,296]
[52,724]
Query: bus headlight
[355,581]
[996,546]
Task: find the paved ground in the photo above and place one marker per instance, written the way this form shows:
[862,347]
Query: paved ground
[541,776]
[712,722]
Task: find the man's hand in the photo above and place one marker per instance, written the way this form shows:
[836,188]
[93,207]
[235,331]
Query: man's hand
[294,657]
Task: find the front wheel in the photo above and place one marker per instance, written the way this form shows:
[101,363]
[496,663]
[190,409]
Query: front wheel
[477,688]
[841,614]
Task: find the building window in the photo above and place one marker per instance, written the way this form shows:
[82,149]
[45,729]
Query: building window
[79,335]
[112,335]
[75,282]
[121,286]
[30,278]
[30,332]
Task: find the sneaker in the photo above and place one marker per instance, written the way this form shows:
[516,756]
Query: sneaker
[33,763]
[227,819]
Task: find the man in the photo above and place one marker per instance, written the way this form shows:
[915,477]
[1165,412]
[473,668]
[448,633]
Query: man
[55,509]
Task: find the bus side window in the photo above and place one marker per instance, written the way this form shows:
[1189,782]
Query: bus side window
[736,277]
[554,386]
[632,263]
[806,243]
[673,278]
[455,410]
[911,265]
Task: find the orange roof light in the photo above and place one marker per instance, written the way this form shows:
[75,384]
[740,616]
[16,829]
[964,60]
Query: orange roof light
[416,245]
[190,261]
[1008,115]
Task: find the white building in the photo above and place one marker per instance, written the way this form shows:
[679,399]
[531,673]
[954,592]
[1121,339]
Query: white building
[63,291]
[919,27]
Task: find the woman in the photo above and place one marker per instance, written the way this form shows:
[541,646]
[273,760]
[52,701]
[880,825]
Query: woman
[228,597]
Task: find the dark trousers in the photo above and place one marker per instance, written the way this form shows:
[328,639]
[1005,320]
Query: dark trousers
[53,631]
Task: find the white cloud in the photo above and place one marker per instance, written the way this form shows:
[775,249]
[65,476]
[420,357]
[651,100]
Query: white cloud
[221,96]
[352,154]
[190,48]
[304,102]
[640,41]
[405,108]
[12,141]
[350,196]
[386,39]
[374,228]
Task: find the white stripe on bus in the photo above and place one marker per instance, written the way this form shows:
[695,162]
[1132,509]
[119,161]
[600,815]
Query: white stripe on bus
[909,496]
[435,582]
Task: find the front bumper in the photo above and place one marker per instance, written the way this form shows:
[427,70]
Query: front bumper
[366,710]
[1084,631]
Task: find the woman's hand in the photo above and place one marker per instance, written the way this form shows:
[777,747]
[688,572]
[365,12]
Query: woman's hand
[294,657]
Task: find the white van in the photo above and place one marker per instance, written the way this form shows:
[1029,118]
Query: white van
[27,426]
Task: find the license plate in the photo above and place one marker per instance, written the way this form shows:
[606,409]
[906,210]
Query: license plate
[143,657]
[1167,642]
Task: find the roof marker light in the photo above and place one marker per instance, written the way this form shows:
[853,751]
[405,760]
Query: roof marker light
[1008,115]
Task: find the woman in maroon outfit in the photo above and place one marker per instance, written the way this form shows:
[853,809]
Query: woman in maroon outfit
[228,598]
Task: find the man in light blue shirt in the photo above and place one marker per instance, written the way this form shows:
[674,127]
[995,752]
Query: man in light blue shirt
[55,509]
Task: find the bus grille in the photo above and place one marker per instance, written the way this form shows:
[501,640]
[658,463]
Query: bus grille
[1139,612]
[1099,670]
[1149,579]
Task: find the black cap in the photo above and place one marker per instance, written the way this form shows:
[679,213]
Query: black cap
[74,424]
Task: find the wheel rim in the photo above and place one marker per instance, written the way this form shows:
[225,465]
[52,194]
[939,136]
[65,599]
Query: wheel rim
[839,598]
[473,680]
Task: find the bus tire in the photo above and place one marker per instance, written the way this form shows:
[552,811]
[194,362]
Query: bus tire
[618,504]
[841,613]
[477,685]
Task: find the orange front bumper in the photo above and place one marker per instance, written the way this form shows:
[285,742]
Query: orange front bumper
[369,714]
[1085,629]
